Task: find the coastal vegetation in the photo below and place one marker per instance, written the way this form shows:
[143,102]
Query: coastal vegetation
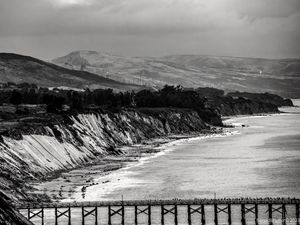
[209,103]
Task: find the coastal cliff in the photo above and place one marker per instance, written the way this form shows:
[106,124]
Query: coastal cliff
[241,103]
[45,132]
[32,152]
[229,106]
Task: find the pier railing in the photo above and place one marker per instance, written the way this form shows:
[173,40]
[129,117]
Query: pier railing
[280,206]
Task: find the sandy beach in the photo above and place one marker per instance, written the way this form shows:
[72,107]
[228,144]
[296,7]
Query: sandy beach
[70,185]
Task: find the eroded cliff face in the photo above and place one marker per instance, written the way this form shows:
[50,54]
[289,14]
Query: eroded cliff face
[247,108]
[228,106]
[9,215]
[80,139]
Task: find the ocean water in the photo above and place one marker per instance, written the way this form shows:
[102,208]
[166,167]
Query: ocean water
[261,157]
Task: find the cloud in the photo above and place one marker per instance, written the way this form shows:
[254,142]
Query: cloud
[66,3]
[199,23]
[134,16]
[140,16]
[262,8]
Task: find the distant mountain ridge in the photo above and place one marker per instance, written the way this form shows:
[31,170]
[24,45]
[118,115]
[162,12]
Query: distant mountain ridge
[18,68]
[278,76]
[82,69]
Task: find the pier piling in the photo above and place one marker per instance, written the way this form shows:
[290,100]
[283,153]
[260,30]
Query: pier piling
[135,215]
[270,210]
[199,210]
[297,214]
[39,213]
[146,210]
[109,215]
[119,210]
[162,215]
[82,216]
[229,214]
[175,215]
[93,212]
[189,214]
[172,210]
[216,213]
[283,216]
[202,215]
[256,213]
[149,214]
[243,214]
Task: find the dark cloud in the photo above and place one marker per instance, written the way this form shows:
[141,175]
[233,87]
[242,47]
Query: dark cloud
[48,28]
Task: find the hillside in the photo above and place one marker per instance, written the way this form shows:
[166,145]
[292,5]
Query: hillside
[9,215]
[280,76]
[18,69]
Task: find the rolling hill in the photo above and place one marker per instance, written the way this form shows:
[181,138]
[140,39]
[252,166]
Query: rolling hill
[18,69]
[278,76]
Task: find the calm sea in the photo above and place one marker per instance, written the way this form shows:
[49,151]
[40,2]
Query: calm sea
[261,158]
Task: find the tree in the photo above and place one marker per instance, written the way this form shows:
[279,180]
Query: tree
[76,100]
[16,98]
[54,103]
[30,97]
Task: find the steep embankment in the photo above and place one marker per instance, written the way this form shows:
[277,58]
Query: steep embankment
[79,139]
[241,103]
[263,97]
[228,106]
[9,215]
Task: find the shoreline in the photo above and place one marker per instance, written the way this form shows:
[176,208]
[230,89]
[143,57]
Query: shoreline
[68,184]
[158,151]
[80,179]
[54,186]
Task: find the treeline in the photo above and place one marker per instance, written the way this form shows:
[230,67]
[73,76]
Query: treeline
[169,96]
[263,97]
[56,99]
[176,96]
[209,103]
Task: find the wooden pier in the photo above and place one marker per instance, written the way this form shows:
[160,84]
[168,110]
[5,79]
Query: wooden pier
[192,208]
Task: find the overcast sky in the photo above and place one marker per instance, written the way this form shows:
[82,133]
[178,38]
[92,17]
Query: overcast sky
[51,28]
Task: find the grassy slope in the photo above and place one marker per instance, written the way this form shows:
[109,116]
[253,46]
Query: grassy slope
[18,68]
[280,76]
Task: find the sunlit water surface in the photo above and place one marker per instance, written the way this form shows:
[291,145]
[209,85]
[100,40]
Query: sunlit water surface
[261,158]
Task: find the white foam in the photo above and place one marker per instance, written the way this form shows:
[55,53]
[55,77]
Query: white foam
[123,178]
